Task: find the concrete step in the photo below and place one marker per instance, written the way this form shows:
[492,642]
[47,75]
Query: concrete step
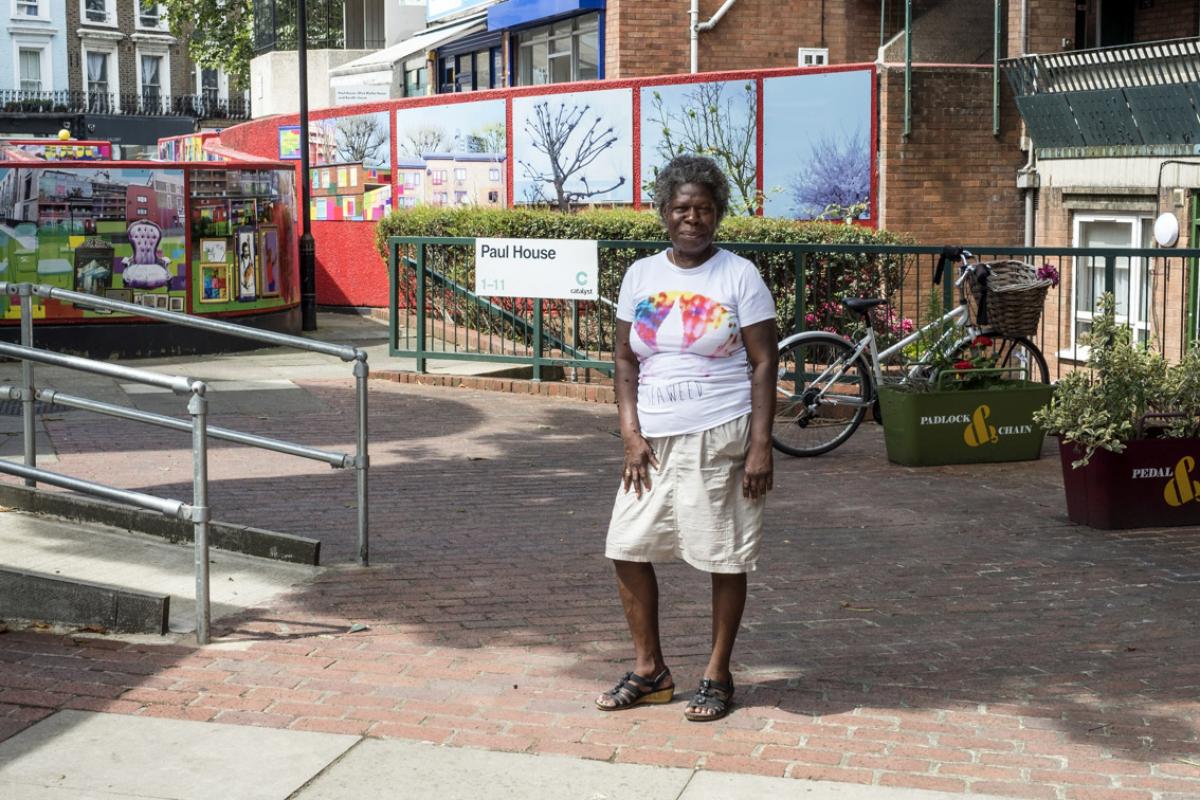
[99,554]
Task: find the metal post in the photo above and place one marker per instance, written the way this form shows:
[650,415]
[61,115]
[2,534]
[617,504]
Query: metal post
[393,298]
[907,68]
[882,17]
[801,259]
[996,71]
[362,460]
[537,339]
[1110,275]
[27,389]
[308,249]
[198,408]
[421,307]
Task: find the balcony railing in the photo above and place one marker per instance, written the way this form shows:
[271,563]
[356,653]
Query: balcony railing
[1176,61]
[1134,99]
[154,104]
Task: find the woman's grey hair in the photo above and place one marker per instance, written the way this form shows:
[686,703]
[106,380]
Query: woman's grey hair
[690,169]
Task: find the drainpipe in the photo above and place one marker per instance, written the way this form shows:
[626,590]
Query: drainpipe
[1028,181]
[697,26]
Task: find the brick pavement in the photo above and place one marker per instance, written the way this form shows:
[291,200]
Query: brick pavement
[942,628]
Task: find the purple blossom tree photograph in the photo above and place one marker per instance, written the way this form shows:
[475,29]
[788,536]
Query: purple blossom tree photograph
[817,145]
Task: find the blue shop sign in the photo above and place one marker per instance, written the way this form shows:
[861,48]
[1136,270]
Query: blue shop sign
[516,13]
[440,9]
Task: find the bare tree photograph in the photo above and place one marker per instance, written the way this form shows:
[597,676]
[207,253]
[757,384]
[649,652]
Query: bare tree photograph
[365,138]
[573,149]
[817,149]
[716,119]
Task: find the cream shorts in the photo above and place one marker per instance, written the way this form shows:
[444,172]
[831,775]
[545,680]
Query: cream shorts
[694,509]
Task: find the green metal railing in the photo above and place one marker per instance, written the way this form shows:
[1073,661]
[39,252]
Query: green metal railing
[435,313]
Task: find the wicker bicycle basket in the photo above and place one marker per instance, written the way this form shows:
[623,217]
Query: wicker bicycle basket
[1015,297]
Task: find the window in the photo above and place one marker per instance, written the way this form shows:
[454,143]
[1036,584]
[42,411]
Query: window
[493,197]
[99,99]
[151,78]
[812,56]
[460,198]
[28,8]
[98,12]
[149,14]
[438,177]
[412,179]
[560,53]
[1131,275]
[30,61]
[460,174]
[416,82]
[494,174]
[439,198]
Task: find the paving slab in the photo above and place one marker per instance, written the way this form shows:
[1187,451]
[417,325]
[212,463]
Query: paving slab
[427,772]
[80,754]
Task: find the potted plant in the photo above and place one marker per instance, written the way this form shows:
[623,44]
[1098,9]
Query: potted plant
[1129,432]
[961,411]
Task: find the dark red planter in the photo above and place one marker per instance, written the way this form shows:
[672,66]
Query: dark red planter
[1155,483]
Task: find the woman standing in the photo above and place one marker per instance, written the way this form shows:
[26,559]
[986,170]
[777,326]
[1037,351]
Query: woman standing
[695,380]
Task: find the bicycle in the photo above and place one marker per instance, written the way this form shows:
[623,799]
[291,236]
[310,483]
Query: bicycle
[826,382]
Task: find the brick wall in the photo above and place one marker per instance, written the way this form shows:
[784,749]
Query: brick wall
[127,52]
[1049,23]
[651,38]
[951,181]
[1166,19]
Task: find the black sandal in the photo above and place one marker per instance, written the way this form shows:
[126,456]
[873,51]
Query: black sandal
[633,690]
[711,694]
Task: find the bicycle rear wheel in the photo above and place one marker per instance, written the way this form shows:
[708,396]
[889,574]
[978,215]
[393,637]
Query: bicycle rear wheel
[1009,351]
[822,394]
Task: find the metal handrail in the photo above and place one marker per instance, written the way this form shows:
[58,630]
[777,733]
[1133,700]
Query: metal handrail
[198,513]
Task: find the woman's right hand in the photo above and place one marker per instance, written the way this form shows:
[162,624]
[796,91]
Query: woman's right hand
[639,458]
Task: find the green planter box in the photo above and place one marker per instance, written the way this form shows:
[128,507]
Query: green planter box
[971,426]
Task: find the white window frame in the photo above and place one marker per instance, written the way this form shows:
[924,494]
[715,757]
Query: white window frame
[222,83]
[1137,278]
[137,18]
[109,49]
[110,14]
[43,7]
[47,67]
[164,72]
[816,56]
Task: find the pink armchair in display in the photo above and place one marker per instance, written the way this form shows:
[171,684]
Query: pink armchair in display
[145,269]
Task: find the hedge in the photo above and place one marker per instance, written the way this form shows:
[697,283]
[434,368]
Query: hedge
[829,277]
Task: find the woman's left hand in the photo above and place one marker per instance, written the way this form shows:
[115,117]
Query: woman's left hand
[759,475]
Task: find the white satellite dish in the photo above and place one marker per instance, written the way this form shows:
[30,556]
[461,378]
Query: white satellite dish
[1166,230]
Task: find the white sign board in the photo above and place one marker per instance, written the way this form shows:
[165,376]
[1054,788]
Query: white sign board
[363,93]
[563,269]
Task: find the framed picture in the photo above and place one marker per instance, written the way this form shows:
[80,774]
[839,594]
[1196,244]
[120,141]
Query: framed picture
[214,283]
[268,259]
[242,211]
[122,295]
[176,302]
[93,267]
[246,264]
[149,301]
[162,301]
[139,299]
[212,251]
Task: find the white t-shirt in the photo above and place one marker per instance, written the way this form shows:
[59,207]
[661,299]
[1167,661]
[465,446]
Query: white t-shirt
[686,332]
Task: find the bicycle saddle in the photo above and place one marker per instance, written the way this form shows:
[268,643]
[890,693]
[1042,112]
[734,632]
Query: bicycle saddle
[863,304]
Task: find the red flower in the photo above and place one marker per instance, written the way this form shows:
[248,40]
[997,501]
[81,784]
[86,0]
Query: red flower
[964,365]
[982,341]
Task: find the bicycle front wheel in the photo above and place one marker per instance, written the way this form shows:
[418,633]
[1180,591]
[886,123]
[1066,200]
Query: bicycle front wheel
[1016,352]
[823,393]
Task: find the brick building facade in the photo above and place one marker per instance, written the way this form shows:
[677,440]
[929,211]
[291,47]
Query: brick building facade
[126,46]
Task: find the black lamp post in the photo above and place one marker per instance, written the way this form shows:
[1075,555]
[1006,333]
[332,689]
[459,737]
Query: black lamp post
[308,249]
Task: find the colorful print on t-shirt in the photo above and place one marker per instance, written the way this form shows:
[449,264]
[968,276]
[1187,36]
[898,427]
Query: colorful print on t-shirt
[686,322]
